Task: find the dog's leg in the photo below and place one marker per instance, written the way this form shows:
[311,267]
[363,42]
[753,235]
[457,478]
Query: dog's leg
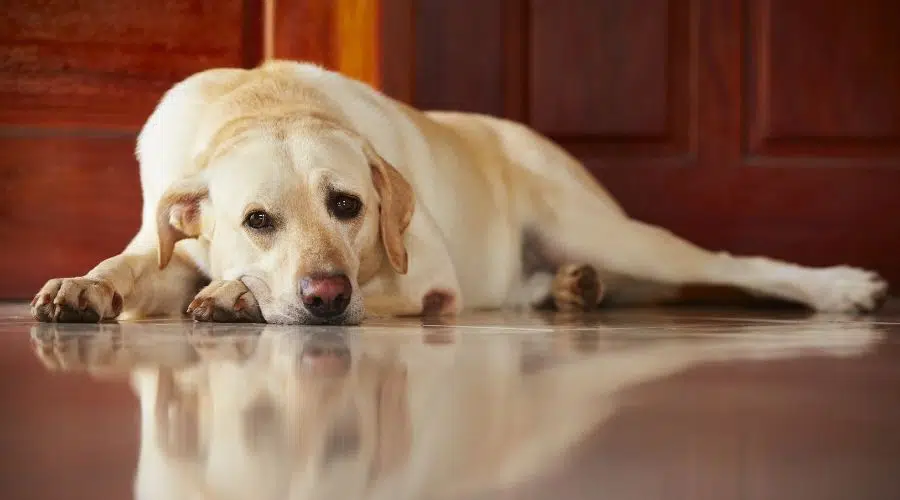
[577,220]
[616,244]
[130,282]
[435,302]
[386,306]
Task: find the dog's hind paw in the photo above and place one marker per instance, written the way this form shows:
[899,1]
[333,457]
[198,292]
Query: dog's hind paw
[576,287]
[845,289]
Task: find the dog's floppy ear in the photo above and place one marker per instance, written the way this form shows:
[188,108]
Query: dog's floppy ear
[396,209]
[178,216]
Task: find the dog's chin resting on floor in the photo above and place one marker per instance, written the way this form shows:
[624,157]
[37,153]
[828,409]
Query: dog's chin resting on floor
[302,196]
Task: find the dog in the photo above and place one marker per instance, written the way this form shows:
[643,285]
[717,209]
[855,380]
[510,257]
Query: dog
[302,196]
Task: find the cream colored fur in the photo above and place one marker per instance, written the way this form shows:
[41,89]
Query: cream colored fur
[474,186]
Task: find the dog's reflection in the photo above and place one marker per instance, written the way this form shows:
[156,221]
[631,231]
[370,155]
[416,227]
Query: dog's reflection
[273,412]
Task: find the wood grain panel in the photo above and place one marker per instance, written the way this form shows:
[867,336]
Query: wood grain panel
[791,213]
[460,57]
[67,203]
[396,40]
[341,35]
[635,88]
[616,72]
[304,29]
[103,63]
[824,79]
[796,208]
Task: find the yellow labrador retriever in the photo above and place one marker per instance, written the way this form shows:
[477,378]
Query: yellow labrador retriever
[303,195]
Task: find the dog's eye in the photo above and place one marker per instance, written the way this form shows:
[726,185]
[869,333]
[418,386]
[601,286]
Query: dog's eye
[258,220]
[344,206]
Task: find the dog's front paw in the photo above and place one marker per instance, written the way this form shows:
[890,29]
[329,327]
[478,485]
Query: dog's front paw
[846,289]
[576,288]
[76,300]
[226,301]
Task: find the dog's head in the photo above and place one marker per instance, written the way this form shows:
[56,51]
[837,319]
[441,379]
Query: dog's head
[300,208]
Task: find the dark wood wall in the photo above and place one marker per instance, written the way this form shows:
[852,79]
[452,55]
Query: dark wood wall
[77,80]
[754,126]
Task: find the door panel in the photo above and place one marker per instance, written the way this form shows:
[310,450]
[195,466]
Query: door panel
[77,80]
[757,127]
[458,63]
[68,203]
[824,80]
[105,63]
[631,89]
[634,101]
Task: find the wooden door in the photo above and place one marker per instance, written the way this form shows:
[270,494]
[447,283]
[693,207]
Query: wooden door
[769,126]
[757,126]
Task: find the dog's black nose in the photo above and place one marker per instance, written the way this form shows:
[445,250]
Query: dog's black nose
[326,296]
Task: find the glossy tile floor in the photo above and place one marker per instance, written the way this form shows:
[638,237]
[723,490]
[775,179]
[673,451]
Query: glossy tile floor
[653,404]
